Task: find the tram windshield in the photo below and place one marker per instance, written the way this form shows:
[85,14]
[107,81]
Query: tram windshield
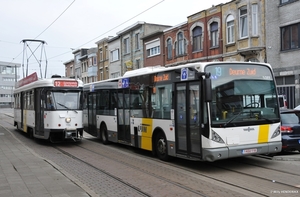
[243,95]
[63,100]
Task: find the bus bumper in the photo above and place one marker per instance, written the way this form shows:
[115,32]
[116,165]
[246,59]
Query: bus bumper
[240,151]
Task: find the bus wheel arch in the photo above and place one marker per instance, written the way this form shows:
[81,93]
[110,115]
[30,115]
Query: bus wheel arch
[159,144]
[103,133]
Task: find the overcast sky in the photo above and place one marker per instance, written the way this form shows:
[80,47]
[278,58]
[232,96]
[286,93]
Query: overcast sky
[71,24]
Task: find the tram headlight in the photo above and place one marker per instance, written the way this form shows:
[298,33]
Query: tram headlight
[215,137]
[68,120]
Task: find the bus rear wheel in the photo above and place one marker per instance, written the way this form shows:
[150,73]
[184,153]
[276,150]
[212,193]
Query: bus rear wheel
[103,133]
[161,147]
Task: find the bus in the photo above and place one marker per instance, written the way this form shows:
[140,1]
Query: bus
[197,111]
[49,109]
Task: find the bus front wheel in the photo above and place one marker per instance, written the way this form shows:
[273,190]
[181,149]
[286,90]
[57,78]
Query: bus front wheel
[103,132]
[161,147]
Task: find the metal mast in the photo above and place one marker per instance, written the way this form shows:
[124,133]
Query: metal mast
[32,54]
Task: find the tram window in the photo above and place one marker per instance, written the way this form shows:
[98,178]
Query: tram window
[31,100]
[49,101]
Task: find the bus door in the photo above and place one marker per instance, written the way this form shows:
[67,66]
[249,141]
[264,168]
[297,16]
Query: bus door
[187,121]
[39,103]
[92,120]
[123,115]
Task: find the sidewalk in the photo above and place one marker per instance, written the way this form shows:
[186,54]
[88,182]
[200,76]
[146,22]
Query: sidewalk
[25,174]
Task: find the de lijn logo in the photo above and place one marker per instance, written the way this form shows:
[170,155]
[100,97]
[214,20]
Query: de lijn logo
[184,74]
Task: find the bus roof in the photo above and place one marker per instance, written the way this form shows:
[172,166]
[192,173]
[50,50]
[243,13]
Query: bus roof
[199,66]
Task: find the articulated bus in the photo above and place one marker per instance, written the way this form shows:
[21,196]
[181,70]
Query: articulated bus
[49,109]
[198,111]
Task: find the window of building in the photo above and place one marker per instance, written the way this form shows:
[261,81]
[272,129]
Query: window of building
[106,53]
[94,60]
[153,47]
[101,75]
[137,41]
[286,1]
[243,22]
[153,51]
[180,44]
[230,29]
[8,79]
[101,54]
[114,54]
[137,63]
[290,37]
[254,20]
[197,38]
[115,74]
[126,46]
[169,48]
[214,34]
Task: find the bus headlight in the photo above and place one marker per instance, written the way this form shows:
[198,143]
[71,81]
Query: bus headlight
[276,132]
[215,137]
[68,120]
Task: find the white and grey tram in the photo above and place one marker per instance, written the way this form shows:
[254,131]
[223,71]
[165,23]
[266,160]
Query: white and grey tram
[49,109]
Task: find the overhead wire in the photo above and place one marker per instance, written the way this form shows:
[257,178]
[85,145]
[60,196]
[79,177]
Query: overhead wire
[47,27]
[111,29]
[93,38]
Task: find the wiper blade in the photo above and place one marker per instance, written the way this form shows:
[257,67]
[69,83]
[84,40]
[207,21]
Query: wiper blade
[66,107]
[234,117]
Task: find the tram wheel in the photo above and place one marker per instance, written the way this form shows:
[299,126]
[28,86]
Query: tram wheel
[103,133]
[161,147]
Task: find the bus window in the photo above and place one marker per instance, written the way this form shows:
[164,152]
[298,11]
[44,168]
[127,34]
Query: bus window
[163,101]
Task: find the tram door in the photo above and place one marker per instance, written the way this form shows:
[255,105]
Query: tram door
[123,115]
[39,103]
[187,118]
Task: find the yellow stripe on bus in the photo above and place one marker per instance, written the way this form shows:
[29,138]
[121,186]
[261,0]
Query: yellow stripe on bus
[146,136]
[263,133]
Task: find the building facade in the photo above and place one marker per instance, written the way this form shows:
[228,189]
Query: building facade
[237,30]
[132,48]
[114,47]
[153,49]
[77,63]
[283,46]
[69,68]
[103,59]
[8,77]
[244,31]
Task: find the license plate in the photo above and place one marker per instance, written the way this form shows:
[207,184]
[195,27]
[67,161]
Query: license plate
[248,151]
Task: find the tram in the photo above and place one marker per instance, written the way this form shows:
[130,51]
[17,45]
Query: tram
[49,108]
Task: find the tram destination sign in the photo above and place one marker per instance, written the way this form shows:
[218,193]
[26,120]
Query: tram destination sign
[65,83]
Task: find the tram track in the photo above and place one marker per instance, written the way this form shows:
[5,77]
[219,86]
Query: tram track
[181,171]
[177,184]
[196,178]
[104,172]
[276,184]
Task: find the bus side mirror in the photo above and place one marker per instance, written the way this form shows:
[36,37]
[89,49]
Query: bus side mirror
[207,90]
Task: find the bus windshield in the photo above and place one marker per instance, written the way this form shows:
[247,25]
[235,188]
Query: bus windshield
[242,95]
[63,100]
